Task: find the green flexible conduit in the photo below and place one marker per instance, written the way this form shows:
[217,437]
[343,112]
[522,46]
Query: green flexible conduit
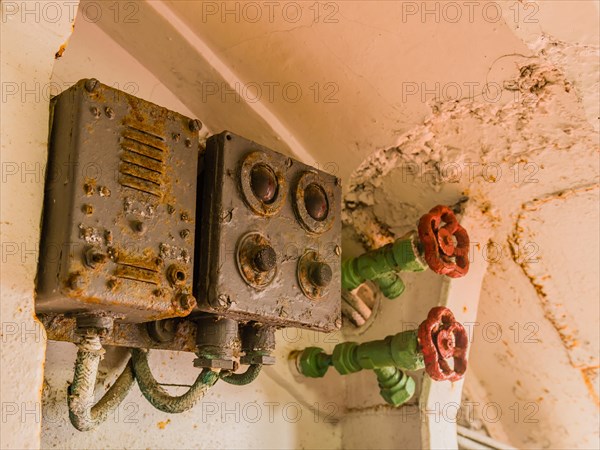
[161,399]
[80,396]
[240,379]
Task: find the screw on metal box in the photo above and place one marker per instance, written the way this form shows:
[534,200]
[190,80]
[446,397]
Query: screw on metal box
[256,260]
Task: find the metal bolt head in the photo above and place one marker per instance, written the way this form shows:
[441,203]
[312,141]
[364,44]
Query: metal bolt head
[88,189]
[109,112]
[195,125]
[315,201]
[265,259]
[87,209]
[263,182]
[184,233]
[95,111]
[321,274]
[186,301]
[91,84]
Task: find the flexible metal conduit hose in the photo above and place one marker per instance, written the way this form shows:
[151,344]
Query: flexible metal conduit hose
[80,396]
[161,399]
[240,379]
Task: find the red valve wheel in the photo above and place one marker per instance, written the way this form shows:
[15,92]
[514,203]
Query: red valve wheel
[442,253]
[441,337]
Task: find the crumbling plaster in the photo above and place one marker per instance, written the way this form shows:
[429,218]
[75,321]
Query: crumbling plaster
[533,147]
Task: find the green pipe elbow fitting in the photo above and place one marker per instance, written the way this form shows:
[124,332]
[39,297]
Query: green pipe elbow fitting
[395,387]
[380,266]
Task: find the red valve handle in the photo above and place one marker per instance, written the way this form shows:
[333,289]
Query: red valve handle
[441,337]
[443,255]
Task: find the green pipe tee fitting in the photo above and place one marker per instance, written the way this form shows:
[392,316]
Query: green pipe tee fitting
[388,358]
[380,266]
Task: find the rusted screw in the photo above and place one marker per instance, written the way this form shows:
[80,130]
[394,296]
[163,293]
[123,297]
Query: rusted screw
[176,137]
[87,209]
[104,191]
[223,300]
[184,233]
[140,227]
[263,183]
[320,274]
[337,250]
[76,281]
[186,301]
[95,111]
[265,259]
[185,216]
[109,112]
[94,257]
[195,125]
[88,189]
[91,84]
[158,292]
[315,201]
[188,143]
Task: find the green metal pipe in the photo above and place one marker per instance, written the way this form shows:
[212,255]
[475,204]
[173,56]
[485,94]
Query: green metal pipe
[388,358]
[380,266]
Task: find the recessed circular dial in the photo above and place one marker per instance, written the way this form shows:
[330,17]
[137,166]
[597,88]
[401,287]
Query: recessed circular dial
[263,182]
[315,201]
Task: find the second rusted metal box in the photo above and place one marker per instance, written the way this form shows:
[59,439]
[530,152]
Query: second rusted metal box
[269,247]
[120,206]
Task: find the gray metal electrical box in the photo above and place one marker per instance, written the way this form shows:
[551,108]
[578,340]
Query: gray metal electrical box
[120,207]
[270,244]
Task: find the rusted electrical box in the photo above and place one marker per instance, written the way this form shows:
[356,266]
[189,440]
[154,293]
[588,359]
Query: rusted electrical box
[120,207]
[144,225]
[270,241]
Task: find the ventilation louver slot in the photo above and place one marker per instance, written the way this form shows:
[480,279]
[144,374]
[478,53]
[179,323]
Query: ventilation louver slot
[143,159]
[138,269]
